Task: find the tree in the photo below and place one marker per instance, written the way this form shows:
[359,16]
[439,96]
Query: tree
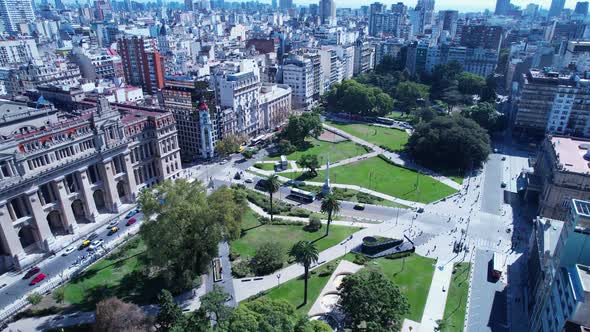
[408,94]
[229,145]
[34,298]
[444,76]
[449,142]
[486,115]
[331,206]
[315,224]
[59,295]
[183,228]
[371,298]
[113,314]
[228,206]
[452,97]
[311,162]
[285,147]
[305,253]
[489,91]
[170,313]
[470,84]
[270,315]
[268,258]
[301,127]
[353,97]
[271,186]
[214,304]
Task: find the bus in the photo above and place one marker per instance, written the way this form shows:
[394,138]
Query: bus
[498,261]
[302,195]
[385,121]
[257,140]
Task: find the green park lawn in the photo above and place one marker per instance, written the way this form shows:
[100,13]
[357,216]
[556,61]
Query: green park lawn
[377,174]
[393,139]
[336,151]
[265,166]
[457,299]
[413,277]
[292,290]
[120,274]
[351,195]
[255,234]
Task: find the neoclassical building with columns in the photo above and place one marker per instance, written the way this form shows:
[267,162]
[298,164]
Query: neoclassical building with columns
[61,173]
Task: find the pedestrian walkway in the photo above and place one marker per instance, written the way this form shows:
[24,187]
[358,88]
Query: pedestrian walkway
[396,158]
[437,298]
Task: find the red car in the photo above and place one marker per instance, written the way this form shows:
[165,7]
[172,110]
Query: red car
[131,221]
[38,278]
[31,272]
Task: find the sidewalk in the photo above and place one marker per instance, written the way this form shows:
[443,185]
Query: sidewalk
[437,298]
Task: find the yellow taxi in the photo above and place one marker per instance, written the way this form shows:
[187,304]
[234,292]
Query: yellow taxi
[85,244]
[113,230]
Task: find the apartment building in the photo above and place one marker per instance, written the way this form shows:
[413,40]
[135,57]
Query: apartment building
[143,65]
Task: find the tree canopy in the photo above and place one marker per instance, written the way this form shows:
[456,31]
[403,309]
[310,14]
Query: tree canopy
[449,142]
[486,115]
[353,97]
[185,227]
[368,297]
[309,161]
[268,258]
[113,314]
[470,84]
[229,144]
[301,127]
[408,94]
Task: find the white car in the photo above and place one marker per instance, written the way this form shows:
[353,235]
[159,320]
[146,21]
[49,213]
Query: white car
[95,244]
[68,250]
[113,222]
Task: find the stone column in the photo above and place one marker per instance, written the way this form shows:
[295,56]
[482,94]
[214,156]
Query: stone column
[66,206]
[43,229]
[110,186]
[9,235]
[90,206]
[130,177]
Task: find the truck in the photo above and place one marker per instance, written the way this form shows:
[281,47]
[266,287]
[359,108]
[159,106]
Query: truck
[498,261]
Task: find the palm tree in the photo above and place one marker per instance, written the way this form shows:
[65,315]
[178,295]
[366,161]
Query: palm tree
[331,206]
[305,253]
[272,186]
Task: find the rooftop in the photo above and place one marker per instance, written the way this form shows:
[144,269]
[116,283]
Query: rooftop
[570,153]
[582,207]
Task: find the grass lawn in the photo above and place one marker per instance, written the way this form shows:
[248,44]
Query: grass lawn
[120,274]
[412,277]
[391,138]
[286,235]
[265,166]
[377,174]
[458,179]
[457,298]
[336,151]
[292,290]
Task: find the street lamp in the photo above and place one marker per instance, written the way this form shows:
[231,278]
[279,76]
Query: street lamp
[278,279]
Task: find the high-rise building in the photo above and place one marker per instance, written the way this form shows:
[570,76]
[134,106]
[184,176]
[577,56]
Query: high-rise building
[189,5]
[581,8]
[502,7]
[328,12]
[15,12]
[556,8]
[488,37]
[285,4]
[427,7]
[447,20]
[143,65]
[194,107]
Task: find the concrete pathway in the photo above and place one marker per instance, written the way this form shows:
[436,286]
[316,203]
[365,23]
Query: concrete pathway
[321,306]
[437,298]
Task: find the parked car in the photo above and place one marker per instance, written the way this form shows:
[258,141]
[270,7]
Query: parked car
[34,270]
[131,213]
[131,221]
[249,181]
[359,206]
[113,223]
[68,250]
[38,278]
[113,230]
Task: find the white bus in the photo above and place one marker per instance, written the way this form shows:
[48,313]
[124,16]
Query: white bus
[303,195]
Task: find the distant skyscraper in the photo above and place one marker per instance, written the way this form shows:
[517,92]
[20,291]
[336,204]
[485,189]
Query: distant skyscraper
[274,4]
[502,7]
[448,21]
[15,12]
[189,5]
[556,8]
[285,4]
[427,7]
[59,5]
[327,11]
[581,8]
